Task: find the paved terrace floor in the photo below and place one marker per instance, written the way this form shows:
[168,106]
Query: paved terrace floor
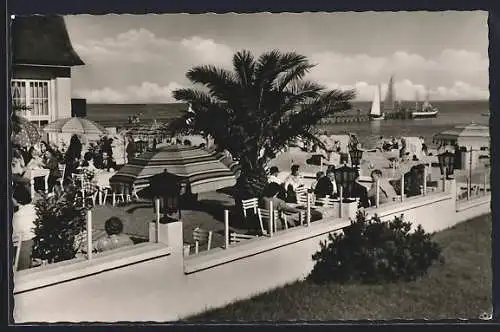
[207,214]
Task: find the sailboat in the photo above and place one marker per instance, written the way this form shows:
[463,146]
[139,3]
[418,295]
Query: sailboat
[375,113]
[426,111]
[389,102]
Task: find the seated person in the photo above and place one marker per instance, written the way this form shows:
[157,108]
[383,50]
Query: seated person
[270,195]
[290,195]
[294,179]
[36,160]
[326,185]
[357,191]
[88,162]
[23,220]
[319,175]
[386,191]
[112,239]
[273,175]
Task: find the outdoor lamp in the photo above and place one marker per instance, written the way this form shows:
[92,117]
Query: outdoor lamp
[345,177]
[356,156]
[167,186]
[447,164]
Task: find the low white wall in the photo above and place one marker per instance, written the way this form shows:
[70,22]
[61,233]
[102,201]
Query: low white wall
[159,290]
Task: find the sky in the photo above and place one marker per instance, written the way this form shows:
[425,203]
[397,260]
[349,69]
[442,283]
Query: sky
[143,58]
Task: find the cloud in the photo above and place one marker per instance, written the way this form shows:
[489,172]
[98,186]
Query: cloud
[407,90]
[143,46]
[140,66]
[443,69]
[146,92]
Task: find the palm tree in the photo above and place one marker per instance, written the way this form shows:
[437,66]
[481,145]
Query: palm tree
[258,108]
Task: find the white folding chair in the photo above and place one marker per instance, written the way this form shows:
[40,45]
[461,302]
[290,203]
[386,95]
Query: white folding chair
[327,201]
[264,215]
[250,204]
[201,236]
[17,240]
[62,170]
[236,237]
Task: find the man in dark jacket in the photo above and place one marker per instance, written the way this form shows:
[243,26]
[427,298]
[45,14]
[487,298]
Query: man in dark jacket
[326,185]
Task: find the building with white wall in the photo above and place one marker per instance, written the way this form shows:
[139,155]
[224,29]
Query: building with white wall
[42,57]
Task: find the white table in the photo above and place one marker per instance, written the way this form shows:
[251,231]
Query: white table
[102,182]
[37,173]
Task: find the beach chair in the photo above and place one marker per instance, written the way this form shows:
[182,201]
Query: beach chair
[237,237]
[201,236]
[17,240]
[249,204]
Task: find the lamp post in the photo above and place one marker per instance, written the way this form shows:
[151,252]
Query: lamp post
[356,156]
[446,165]
[345,177]
[166,187]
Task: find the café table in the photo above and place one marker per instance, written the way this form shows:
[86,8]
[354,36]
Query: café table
[102,182]
[37,173]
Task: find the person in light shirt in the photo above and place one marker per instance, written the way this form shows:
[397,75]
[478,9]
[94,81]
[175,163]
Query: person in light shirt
[294,179]
[386,191]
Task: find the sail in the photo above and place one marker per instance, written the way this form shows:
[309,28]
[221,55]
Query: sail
[426,104]
[375,111]
[389,98]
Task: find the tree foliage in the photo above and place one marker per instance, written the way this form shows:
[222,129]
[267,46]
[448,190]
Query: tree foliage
[60,219]
[258,108]
[372,251]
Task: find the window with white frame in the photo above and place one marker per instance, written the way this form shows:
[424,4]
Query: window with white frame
[31,93]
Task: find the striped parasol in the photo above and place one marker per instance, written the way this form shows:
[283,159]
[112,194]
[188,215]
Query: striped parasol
[152,129]
[27,135]
[204,170]
[75,126]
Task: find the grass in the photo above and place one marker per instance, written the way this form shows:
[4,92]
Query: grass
[461,288]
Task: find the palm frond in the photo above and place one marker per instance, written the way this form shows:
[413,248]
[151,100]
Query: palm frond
[244,66]
[221,83]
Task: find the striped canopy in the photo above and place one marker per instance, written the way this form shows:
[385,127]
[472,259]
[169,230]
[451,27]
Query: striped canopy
[151,129]
[204,170]
[75,126]
[471,131]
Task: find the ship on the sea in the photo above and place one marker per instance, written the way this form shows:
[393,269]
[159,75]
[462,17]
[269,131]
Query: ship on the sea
[375,111]
[425,110]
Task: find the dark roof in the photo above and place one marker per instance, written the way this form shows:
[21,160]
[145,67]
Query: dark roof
[42,40]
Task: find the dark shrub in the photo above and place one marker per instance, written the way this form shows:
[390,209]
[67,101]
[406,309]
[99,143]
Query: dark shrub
[59,221]
[371,251]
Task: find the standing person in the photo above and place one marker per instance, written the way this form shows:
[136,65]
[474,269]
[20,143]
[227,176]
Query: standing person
[131,149]
[52,164]
[72,157]
[402,151]
[425,149]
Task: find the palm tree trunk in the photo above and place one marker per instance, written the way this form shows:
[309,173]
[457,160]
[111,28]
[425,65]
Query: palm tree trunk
[252,181]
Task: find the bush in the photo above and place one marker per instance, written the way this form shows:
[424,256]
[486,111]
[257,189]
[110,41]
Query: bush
[371,251]
[60,219]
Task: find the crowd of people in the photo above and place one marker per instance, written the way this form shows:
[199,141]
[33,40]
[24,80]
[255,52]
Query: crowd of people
[45,156]
[283,193]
